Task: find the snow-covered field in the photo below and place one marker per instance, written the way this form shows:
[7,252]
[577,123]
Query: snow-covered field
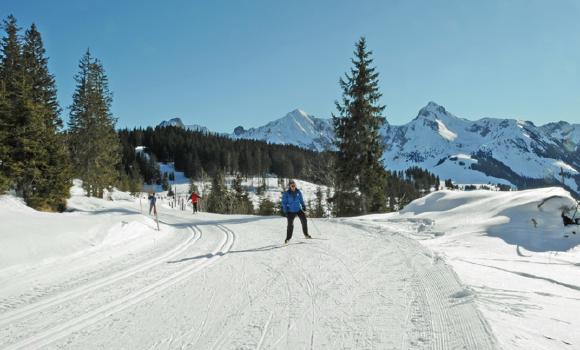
[453,271]
[519,263]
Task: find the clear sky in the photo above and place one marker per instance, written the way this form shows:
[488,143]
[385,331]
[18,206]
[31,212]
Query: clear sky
[227,63]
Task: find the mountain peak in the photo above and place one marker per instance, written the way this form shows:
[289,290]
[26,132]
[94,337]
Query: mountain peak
[298,115]
[172,122]
[432,108]
[298,111]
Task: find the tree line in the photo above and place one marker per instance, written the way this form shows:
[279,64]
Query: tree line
[199,154]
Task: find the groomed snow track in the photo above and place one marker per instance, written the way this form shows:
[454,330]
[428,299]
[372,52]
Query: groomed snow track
[228,283]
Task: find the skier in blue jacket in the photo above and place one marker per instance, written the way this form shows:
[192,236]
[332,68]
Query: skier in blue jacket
[292,206]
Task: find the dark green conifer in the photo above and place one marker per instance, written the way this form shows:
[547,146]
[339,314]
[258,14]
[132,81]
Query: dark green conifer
[218,198]
[33,155]
[52,188]
[242,203]
[360,176]
[94,145]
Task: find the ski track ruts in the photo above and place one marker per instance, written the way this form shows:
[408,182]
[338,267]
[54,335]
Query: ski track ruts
[60,298]
[203,323]
[238,313]
[443,319]
[311,292]
[264,331]
[289,324]
[455,322]
[76,324]
[435,284]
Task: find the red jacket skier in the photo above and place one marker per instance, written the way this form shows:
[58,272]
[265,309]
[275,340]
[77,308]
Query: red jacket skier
[194,199]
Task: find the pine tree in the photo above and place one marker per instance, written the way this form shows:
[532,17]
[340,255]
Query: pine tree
[219,197]
[165,183]
[4,134]
[52,188]
[360,176]
[242,203]
[32,154]
[266,207]
[10,94]
[94,145]
[318,210]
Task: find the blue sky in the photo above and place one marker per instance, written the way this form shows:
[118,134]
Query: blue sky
[227,63]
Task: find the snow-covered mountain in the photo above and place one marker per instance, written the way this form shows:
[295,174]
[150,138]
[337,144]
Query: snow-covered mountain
[505,151]
[493,150]
[295,128]
[179,123]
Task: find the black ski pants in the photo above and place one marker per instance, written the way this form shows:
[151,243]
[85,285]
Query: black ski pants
[290,229]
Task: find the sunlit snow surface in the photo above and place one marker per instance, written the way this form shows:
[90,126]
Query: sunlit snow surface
[511,249]
[454,270]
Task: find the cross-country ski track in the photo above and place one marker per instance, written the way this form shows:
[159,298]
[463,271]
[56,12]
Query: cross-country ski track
[227,282]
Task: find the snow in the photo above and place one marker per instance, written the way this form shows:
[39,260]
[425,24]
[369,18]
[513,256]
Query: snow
[444,132]
[435,134]
[517,259]
[565,167]
[295,128]
[25,231]
[475,270]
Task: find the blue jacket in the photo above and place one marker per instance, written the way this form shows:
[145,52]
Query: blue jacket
[292,202]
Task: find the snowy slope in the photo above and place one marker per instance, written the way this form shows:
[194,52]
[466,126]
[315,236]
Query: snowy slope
[487,150]
[519,261]
[295,128]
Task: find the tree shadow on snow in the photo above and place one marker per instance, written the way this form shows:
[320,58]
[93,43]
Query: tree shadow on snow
[252,250]
[233,221]
[106,211]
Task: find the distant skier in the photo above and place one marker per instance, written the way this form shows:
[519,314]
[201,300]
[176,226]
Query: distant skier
[152,203]
[292,206]
[194,199]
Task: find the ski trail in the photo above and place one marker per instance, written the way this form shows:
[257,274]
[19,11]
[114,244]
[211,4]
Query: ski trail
[30,309]
[203,323]
[105,311]
[264,331]
[442,313]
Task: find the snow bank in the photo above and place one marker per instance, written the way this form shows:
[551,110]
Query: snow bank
[530,219]
[29,237]
[513,253]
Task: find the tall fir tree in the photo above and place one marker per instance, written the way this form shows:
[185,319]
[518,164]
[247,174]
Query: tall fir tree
[94,145]
[33,156]
[10,93]
[242,203]
[360,177]
[52,188]
[219,198]
[4,134]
